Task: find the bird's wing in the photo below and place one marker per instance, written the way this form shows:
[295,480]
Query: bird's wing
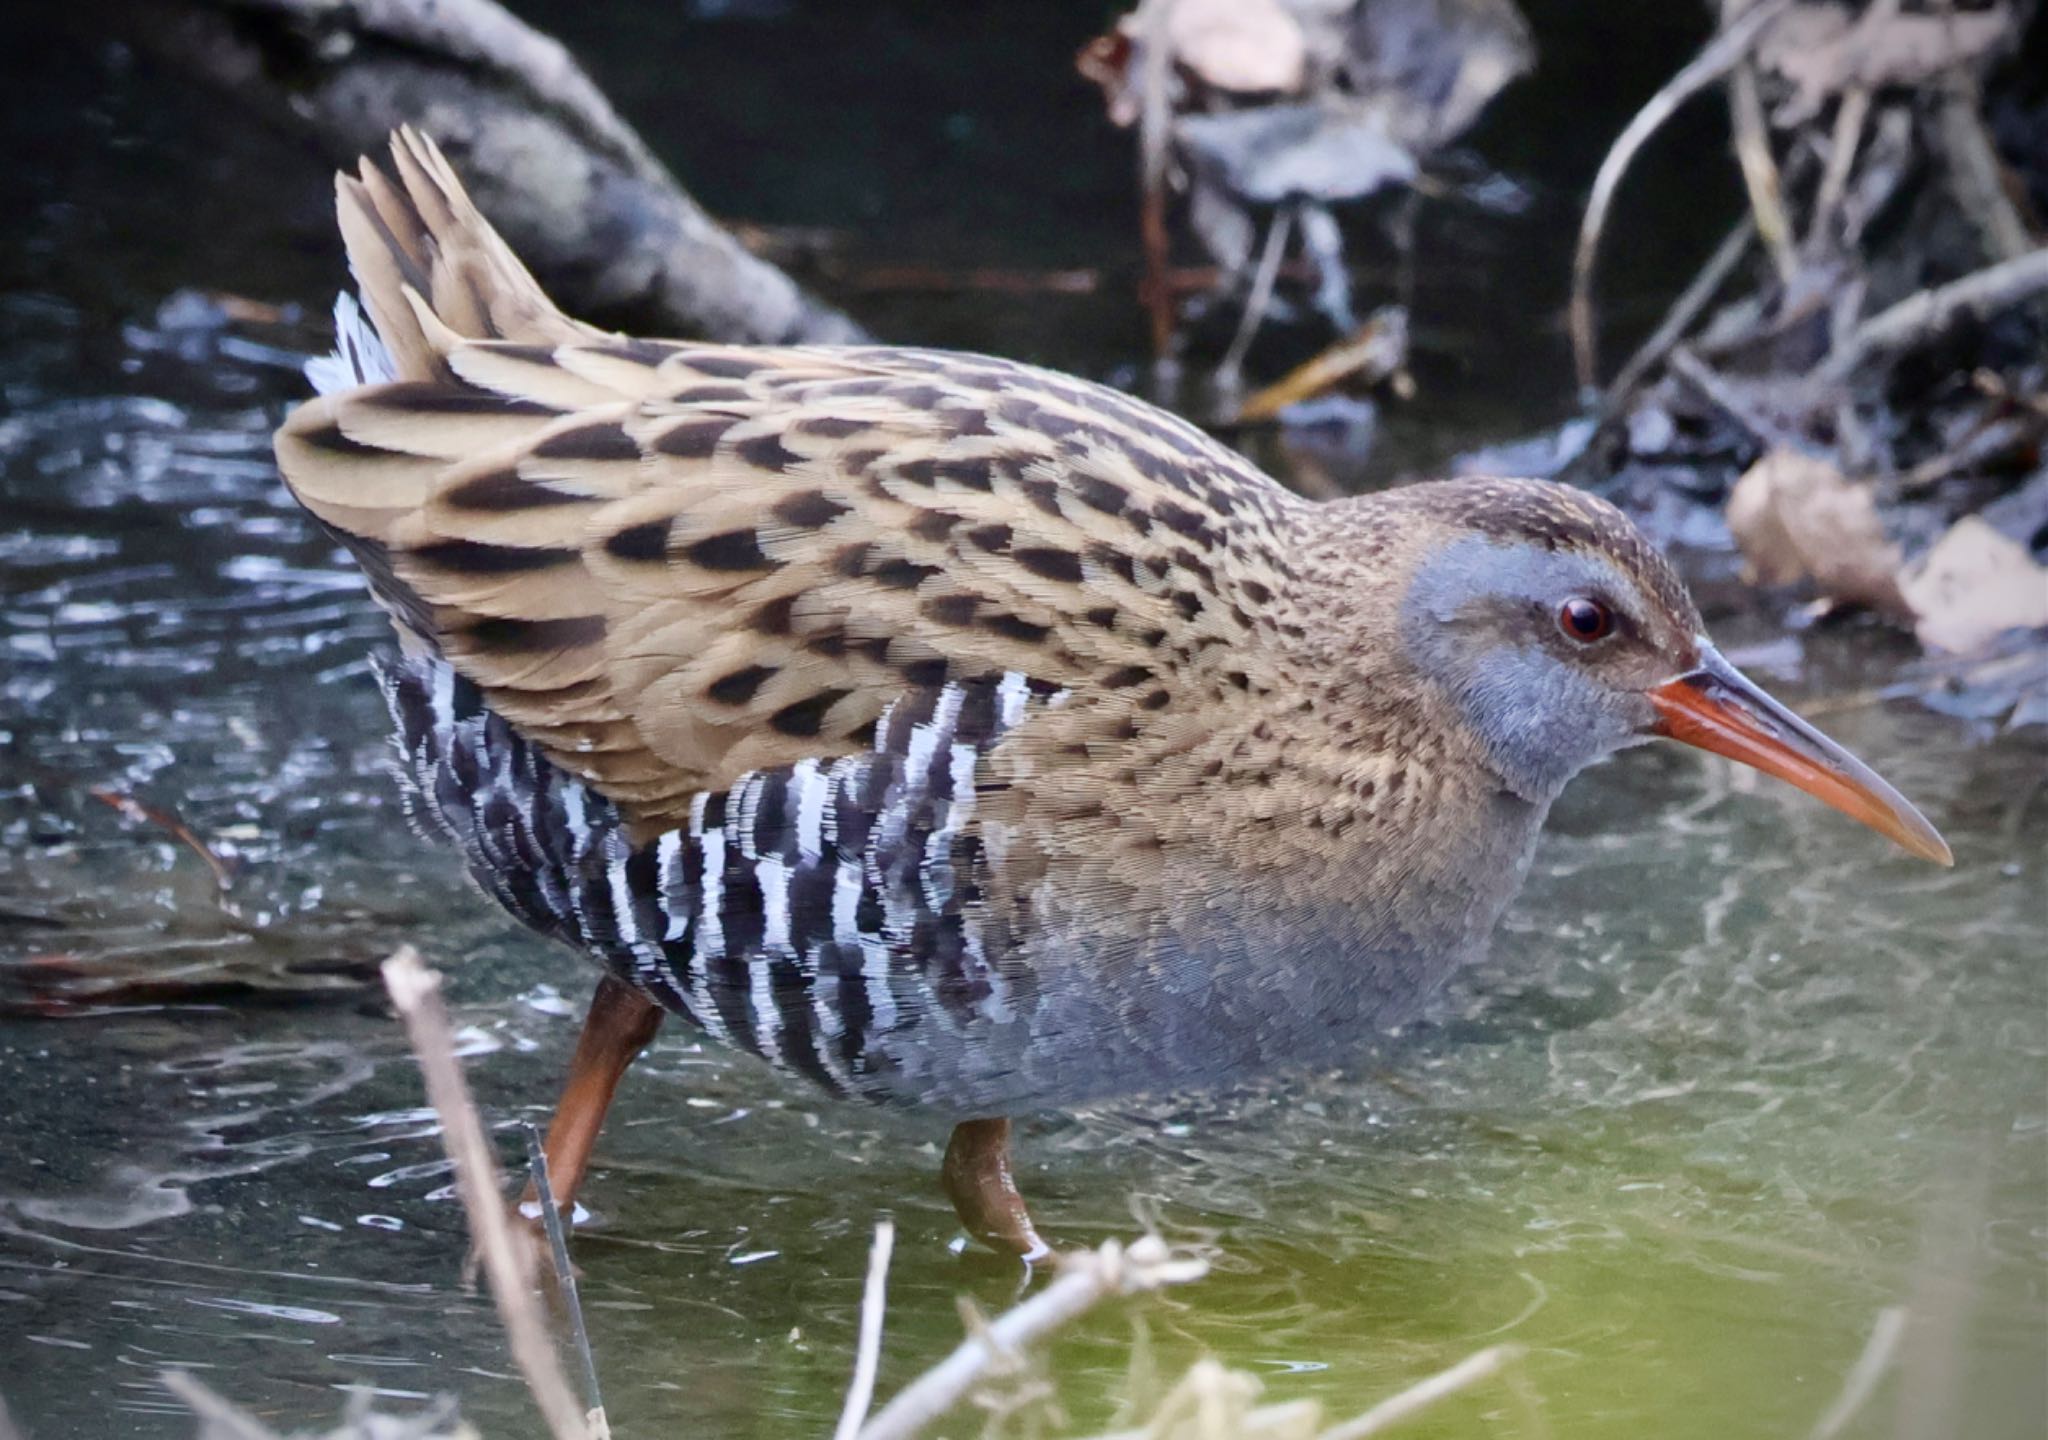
[674,564]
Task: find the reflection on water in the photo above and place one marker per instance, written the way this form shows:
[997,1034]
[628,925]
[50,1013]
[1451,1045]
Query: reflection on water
[1736,1079]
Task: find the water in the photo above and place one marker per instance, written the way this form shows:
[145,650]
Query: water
[1736,1079]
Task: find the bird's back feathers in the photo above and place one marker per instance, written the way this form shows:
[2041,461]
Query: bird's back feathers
[670,564]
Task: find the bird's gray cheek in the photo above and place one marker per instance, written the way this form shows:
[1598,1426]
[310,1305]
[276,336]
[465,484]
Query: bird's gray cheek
[1638,719]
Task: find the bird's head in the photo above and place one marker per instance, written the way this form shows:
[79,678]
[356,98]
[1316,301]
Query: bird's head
[1562,635]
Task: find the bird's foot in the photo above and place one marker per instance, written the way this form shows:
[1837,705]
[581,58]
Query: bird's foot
[984,1192]
[532,1248]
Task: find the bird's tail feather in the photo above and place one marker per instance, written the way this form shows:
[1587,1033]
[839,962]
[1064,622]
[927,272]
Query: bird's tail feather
[431,270]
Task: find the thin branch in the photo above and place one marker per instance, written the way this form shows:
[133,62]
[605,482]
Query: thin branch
[565,1273]
[1154,122]
[1922,316]
[1850,117]
[1425,1393]
[1720,56]
[1760,170]
[1864,1375]
[1977,175]
[867,1359]
[1085,1280]
[416,994]
[1277,229]
[1679,318]
[1714,386]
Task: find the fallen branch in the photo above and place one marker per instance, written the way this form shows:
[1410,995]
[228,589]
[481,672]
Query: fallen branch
[416,994]
[1720,56]
[1085,1280]
[577,193]
[1920,317]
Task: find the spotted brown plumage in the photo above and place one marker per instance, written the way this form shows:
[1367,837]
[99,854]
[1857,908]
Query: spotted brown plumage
[951,732]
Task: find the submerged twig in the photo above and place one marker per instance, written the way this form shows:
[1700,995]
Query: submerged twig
[868,1357]
[1086,1279]
[416,994]
[132,809]
[1869,1368]
[1720,55]
[1425,1393]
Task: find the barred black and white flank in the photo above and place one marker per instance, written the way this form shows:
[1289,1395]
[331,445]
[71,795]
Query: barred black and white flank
[806,915]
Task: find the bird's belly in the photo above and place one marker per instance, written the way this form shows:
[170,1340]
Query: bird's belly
[1179,1016]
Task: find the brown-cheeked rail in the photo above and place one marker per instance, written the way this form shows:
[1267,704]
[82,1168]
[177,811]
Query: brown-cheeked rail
[951,733]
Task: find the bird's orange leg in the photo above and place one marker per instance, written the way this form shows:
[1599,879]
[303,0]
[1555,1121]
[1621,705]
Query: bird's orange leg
[620,1024]
[984,1191]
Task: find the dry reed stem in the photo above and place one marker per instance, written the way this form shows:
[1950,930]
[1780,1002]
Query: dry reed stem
[1085,1279]
[874,1301]
[1720,56]
[1869,1368]
[1425,1393]
[416,994]
[1760,176]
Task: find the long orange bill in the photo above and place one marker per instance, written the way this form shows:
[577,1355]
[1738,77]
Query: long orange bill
[1718,708]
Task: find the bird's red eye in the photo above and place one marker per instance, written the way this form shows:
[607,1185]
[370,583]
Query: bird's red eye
[1585,620]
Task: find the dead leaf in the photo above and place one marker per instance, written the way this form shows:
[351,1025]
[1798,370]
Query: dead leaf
[1974,585]
[1798,518]
[1246,46]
